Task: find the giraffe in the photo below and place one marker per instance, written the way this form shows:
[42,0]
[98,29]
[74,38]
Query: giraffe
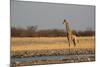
[70,35]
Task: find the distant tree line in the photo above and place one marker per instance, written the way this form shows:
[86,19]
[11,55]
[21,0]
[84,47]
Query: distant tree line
[31,31]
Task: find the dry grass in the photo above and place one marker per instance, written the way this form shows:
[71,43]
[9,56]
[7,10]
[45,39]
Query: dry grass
[40,43]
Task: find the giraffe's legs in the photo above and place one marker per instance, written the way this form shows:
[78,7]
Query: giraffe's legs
[74,41]
[69,43]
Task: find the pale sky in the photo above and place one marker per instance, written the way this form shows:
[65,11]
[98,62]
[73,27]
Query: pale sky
[51,15]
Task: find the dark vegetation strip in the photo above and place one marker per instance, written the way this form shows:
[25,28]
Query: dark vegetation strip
[31,31]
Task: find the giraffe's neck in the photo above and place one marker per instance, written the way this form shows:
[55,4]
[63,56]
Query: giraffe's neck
[67,28]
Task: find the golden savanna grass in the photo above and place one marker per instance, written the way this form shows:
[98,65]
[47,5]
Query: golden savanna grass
[39,43]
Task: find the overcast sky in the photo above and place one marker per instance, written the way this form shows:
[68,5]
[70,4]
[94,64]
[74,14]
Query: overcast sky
[51,16]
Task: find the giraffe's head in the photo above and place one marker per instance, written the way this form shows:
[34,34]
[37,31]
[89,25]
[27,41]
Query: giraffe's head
[65,21]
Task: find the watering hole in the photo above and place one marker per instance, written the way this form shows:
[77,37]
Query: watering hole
[89,56]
